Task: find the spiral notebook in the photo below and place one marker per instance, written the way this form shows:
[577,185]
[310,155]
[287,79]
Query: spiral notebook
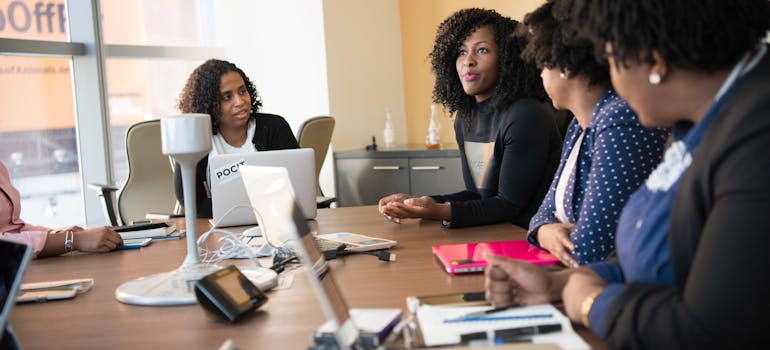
[468,257]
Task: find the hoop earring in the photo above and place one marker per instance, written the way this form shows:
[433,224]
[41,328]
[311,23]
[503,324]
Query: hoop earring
[654,78]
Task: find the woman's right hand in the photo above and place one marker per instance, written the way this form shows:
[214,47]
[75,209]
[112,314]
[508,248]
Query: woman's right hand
[99,239]
[397,198]
[511,282]
[555,239]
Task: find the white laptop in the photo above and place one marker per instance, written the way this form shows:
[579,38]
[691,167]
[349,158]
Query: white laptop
[227,190]
[14,258]
[282,223]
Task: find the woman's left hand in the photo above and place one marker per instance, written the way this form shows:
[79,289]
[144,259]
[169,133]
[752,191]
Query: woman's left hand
[581,284]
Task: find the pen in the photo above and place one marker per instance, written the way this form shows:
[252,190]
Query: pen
[496,318]
[508,335]
[491,311]
[128,246]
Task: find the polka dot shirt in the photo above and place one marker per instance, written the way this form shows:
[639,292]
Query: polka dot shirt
[616,156]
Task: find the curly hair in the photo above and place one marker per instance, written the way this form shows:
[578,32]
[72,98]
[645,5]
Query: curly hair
[201,92]
[551,45]
[701,35]
[516,78]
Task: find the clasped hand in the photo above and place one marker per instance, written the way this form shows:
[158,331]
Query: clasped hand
[403,206]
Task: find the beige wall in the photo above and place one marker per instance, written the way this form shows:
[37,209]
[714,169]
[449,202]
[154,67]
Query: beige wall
[419,20]
[363,57]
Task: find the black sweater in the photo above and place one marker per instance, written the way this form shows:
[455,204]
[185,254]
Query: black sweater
[272,133]
[508,160]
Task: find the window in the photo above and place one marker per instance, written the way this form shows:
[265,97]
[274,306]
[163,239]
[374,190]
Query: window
[37,135]
[58,74]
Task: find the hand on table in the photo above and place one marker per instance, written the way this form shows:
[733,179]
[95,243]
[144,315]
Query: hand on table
[99,239]
[407,207]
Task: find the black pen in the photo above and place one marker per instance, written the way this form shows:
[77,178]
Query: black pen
[490,311]
[520,334]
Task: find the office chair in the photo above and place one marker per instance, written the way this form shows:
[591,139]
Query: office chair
[149,186]
[316,133]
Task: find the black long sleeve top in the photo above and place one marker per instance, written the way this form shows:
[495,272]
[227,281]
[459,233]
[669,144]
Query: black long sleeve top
[508,159]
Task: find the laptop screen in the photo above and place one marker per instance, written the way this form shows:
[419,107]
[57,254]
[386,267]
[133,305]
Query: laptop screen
[14,258]
[271,194]
[322,271]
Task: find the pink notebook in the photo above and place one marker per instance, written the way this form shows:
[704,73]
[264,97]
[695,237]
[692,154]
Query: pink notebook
[467,257]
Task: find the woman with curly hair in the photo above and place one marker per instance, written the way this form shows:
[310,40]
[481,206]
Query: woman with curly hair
[221,89]
[607,154]
[508,139]
[691,269]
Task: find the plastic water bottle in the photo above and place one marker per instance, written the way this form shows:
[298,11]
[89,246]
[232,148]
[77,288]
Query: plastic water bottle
[433,139]
[387,133]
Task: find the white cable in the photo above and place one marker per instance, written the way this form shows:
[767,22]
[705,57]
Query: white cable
[231,245]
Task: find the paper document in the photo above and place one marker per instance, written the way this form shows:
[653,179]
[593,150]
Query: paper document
[443,325]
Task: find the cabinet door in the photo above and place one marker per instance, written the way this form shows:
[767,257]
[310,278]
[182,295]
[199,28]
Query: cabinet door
[431,176]
[365,181]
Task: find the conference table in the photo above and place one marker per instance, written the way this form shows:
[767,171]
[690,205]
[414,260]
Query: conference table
[96,319]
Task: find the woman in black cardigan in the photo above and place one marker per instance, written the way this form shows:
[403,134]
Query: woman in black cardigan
[221,89]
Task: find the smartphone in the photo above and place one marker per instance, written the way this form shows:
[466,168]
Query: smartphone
[26,296]
[135,243]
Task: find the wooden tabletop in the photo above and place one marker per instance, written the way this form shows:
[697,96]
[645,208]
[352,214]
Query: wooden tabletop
[287,321]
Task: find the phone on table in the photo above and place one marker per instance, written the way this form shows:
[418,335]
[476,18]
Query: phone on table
[53,290]
[26,296]
[135,243]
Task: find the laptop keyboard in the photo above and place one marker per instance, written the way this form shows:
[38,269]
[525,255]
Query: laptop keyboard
[326,244]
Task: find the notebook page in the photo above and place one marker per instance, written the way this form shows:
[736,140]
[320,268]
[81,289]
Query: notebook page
[439,324]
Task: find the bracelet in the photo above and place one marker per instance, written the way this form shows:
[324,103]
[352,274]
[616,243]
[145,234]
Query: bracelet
[69,241]
[585,307]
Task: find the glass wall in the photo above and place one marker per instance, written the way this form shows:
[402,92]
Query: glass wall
[72,82]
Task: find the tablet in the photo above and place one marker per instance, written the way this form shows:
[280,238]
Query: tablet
[468,257]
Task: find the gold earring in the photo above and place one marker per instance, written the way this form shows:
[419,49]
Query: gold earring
[654,78]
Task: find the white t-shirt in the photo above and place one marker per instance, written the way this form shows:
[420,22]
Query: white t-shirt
[220,146]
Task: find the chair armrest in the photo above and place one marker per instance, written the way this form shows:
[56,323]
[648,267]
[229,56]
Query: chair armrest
[324,202]
[108,205]
[102,189]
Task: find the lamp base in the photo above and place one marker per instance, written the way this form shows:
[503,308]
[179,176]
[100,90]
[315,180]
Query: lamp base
[177,287]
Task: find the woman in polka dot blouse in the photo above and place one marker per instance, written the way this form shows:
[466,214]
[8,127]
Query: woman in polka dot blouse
[606,155]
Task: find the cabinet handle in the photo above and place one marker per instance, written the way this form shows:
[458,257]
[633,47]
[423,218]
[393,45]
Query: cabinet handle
[430,167]
[386,167]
